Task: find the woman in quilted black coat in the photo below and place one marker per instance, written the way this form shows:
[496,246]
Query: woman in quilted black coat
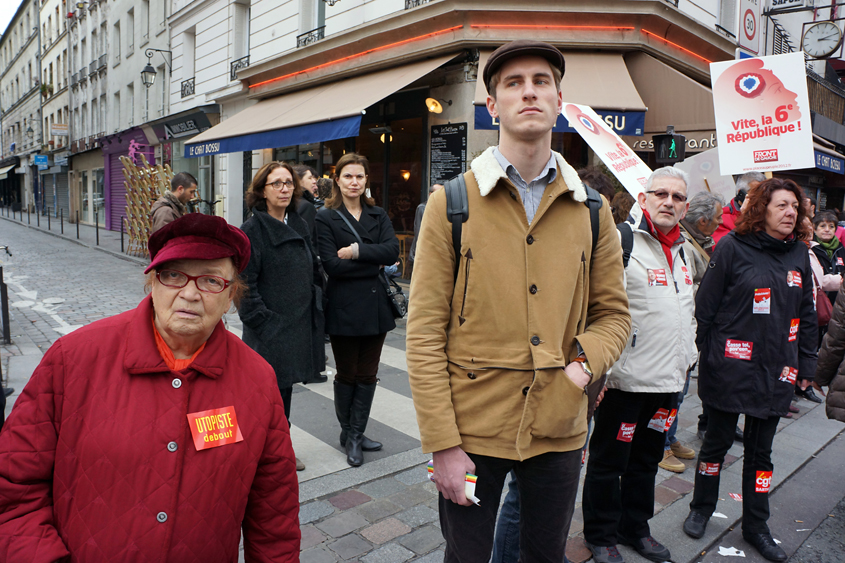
[830,370]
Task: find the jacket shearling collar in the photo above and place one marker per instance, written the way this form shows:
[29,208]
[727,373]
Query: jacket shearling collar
[488,172]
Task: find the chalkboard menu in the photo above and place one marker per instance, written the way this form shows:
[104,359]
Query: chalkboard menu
[448,151]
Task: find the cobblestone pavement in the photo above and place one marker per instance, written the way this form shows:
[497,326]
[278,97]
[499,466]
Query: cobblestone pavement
[385,510]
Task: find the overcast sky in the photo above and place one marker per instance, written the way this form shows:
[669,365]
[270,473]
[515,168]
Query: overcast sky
[7,10]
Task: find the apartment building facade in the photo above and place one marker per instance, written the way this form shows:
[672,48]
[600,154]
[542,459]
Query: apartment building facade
[20,107]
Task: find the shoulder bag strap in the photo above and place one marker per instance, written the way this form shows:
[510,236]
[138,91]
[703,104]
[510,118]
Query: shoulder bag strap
[351,228]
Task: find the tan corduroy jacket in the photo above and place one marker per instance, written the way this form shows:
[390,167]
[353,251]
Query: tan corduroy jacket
[486,352]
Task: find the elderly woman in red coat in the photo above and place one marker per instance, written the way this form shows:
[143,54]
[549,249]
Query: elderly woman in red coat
[154,435]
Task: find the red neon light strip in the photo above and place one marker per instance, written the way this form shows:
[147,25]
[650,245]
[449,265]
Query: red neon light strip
[356,55]
[614,27]
[676,45]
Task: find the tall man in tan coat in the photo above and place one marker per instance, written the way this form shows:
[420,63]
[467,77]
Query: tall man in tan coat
[499,357]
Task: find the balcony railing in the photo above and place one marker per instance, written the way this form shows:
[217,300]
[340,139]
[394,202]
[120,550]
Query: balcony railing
[311,36]
[238,64]
[188,87]
[92,68]
[74,79]
[414,3]
[102,62]
[83,74]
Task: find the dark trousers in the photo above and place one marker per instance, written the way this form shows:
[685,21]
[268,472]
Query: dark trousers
[356,358]
[287,392]
[757,457]
[619,486]
[548,484]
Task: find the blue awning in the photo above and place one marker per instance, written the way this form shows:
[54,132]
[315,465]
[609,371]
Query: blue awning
[829,162]
[622,122]
[321,113]
[299,135]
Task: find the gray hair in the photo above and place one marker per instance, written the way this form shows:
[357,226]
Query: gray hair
[704,205]
[667,172]
[747,178]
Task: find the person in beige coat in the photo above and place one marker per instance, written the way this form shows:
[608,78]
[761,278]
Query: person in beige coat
[499,356]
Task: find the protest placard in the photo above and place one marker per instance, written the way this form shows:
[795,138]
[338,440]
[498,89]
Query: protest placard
[762,114]
[706,176]
[619,158]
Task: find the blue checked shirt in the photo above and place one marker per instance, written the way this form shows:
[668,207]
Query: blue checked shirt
[530,192]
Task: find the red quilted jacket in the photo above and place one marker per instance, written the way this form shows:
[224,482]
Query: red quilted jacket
[97,461]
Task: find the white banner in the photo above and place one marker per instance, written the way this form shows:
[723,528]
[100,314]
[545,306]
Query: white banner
[619,158]
[762,114]
[706,176]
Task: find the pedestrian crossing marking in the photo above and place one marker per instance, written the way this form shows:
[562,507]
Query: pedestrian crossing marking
[393,357]
[390,408]
[319,457]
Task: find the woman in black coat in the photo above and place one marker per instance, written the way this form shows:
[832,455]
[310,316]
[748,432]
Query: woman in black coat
[756,334]
[358,314]
[282,307]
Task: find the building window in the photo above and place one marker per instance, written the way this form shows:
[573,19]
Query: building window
[116,43]
[145,21]
[130,98]
[117,111]
[130,32]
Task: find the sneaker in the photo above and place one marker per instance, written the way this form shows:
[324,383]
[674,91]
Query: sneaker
[695,524]
[299,465]
[766,546]
[681,451]
[671,463]
[605,554]
[649,548]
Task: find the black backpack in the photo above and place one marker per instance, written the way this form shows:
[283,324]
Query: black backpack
[457,211]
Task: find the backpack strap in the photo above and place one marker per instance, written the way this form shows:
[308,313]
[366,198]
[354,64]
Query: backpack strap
[594,203]
[457,211]
[627,241]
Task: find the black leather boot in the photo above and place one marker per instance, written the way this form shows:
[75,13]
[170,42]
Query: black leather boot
[343,418]
[358,418]
[343,395]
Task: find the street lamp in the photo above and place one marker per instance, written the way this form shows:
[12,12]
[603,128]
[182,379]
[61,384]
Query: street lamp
[148,75]
[29,132]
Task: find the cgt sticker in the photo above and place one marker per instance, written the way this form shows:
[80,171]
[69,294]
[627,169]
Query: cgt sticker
[763,482]
[793,329]
[709,469]
[793,278]
[738,349]
[657,277]
[670,420]
[687,277]
[658,421]
[789,375]
[626,431]
[839,261]
[214,428]
[762,301]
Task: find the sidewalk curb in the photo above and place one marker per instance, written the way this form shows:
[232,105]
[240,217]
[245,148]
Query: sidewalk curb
[139,261]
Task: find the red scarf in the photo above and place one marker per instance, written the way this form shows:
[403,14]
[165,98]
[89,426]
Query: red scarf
[667,241]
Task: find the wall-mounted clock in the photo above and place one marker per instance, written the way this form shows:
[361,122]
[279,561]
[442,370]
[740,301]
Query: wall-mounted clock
[821,39]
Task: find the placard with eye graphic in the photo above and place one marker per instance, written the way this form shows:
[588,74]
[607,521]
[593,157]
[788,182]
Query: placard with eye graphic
[762,114]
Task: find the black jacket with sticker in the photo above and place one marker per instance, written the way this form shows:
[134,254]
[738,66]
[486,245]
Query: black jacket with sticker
[748,376]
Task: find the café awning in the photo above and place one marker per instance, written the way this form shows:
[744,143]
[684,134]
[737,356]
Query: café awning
[672,97]
[4,172]
[599,80]
[322,113]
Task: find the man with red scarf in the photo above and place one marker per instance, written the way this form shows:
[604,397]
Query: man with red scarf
[641,400]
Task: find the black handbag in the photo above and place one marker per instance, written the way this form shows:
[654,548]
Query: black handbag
[396,297]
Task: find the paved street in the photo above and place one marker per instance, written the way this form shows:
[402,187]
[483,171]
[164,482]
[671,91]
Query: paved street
[386,510]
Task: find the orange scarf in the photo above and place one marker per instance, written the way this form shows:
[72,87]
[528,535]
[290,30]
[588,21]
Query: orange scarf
[167,353]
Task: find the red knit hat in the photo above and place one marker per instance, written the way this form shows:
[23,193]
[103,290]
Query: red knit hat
[198,237]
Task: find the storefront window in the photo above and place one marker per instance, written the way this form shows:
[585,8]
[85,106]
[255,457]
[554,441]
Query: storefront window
[201,168]
[86,215]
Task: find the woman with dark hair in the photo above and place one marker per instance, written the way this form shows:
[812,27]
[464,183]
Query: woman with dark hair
[356,240]
[621,206]
[281,309]
[756,334]
[308,203]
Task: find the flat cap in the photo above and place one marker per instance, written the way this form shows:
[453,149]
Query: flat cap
[198,237]
[522,48]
